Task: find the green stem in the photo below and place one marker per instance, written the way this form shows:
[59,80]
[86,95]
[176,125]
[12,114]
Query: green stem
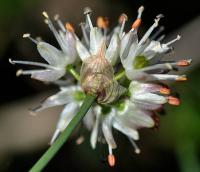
[50,153]
[73,72]
[119,75]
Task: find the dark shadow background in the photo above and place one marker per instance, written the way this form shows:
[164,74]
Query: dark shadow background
[175,147]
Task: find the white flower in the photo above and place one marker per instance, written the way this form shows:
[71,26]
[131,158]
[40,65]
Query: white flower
[96,37]
[57,59]
[71,97]
[142,59]
[124,109]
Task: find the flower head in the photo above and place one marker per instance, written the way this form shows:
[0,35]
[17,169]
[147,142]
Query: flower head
[57,59]
[122,71]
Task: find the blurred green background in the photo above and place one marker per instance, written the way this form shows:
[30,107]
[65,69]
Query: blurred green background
[23,138]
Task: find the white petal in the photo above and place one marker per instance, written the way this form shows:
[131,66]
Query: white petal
[66,115]
[70,46]
[122,127]
[147,106]
[113,49]
[153,48]
[129,39]
[95,40]
[88,120]
[62,97]
[47,75]
[94,134]
[82,50]
[136,74]
[135,118]
[138,87]
[51,54]
[54,137]
[148,97]
[107,129]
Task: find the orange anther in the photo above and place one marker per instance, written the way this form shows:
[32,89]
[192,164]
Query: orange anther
[111,160]
[102,22]
[164,90]
[136,23]
[69,27]
[173,101]
[181,78]
[183,62]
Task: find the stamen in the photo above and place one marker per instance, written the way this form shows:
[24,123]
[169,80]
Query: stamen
[69,27]
[184,62]
[181,78]
[122,20]
[60,24]
[173,101]
[160,29]
[111,157]
[164,90]
[39,39]
[159,39]
[174,40]
[11,61]
[84,33]
[137,149]
[87,12]
[138,21]
[123,17]
[19,72]
[150,30]
[31,63]
[140,10]
[54,31]
[28,35]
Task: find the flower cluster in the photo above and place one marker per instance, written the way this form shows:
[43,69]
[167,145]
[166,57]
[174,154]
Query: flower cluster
[124,72]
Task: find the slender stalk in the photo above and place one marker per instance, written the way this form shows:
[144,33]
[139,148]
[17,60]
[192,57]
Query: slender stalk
[73,72]
[50,153]
[119,75]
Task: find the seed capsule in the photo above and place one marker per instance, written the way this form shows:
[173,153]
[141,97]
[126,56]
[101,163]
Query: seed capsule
[97,77]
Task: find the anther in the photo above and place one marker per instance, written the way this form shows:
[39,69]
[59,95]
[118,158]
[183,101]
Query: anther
[11,61]
[102,23]
[181,78]
[87,10]
[111,160]
[140,10]
[44,13]
[164,90]
[184,62]
[26,35]
[69,27]
[173,101]
[123,17]
[80,140]
[19,72]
